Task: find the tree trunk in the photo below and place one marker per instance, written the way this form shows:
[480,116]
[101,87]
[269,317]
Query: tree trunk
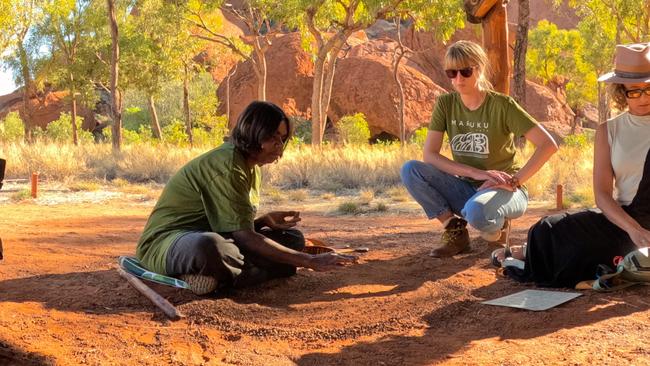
[397,57]
[155,125]
[116,97]
[27,92]
[603,110]
[186,106]
[73,114]
[234,71]
[495,42]
[521,46]
[324,69]
[260,70]
[316,105]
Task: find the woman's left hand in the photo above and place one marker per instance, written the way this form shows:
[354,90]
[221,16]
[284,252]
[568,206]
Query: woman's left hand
[280,220]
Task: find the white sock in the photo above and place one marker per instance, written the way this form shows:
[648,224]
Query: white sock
[446,222]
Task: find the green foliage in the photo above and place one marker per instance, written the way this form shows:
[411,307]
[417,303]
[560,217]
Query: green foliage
[210,138]
[301,129]
[134,117]
[60,130]
[12,128]
[579,141]
[419,136]
[349,208]
[353,129]
[174,133]
[558,55]
[169,104]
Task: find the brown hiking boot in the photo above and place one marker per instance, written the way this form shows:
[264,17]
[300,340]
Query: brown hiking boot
[455,239]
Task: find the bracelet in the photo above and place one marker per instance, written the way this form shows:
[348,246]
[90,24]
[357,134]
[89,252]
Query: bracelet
[514,182]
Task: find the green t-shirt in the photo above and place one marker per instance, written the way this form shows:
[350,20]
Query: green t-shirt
[483,138]
[214,192]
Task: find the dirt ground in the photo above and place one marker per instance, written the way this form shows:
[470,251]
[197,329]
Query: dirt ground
[62,302]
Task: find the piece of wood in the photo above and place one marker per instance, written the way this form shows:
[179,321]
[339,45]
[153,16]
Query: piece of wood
[495,42]
[34,185]
[559,199]
[170,311]
[483,8]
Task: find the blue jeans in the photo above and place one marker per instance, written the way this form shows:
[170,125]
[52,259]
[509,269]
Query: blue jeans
[439,192]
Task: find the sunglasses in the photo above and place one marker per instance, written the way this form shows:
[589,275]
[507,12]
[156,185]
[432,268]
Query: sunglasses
[466,72]
[636,93]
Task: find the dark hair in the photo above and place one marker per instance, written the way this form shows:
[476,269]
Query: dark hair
[257,123]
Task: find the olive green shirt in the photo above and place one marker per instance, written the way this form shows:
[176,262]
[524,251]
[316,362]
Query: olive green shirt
[483,138]
[215,192]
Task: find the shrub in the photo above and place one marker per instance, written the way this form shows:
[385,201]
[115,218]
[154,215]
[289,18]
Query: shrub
[60,130]
[301,130]
[577,140]
[174,133]
[350,208]
[353,129]
[419,136]
[12,128]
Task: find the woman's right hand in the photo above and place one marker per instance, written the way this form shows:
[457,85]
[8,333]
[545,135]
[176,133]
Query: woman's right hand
[330,261]
[495,179]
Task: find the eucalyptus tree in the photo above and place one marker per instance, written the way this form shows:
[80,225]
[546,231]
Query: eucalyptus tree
[326,26]
[69,26]
[260,30]
[21,49]
[152,44]
[519,53]
[439,17]
[605,23]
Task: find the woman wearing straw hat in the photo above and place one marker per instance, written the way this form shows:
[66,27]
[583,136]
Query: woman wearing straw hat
[565,249]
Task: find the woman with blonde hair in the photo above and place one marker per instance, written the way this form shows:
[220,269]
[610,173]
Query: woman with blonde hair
[482,185]
[565,249]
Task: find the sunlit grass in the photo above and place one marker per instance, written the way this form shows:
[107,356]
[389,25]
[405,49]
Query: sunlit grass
[372,170]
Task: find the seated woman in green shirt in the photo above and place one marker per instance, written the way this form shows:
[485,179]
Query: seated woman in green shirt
[203,228]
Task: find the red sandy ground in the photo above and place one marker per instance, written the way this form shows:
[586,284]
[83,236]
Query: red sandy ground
[62,302]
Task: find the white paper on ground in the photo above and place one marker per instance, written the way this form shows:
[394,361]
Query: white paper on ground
[536,300]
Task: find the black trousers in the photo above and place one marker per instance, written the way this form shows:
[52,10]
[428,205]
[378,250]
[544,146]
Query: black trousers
[208,254]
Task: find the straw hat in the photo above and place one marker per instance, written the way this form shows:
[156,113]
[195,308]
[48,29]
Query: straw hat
[632,64]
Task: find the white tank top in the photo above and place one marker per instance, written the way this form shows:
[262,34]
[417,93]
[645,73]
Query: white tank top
[629,141]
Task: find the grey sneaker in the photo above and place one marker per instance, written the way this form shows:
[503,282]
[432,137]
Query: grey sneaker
[199,284]
[455,239]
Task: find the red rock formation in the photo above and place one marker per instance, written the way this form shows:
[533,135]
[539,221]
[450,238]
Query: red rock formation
[45,108]
[364,83]
[289,80]
[552,112]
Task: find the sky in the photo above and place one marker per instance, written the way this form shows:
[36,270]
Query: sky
[6,82]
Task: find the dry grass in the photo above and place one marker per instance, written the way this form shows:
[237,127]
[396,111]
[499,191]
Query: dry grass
[372,168]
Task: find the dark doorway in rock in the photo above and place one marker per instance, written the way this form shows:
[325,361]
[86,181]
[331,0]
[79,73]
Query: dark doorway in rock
[383,137]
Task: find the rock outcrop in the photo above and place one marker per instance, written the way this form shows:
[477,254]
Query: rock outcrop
[289,80]
[364,83]
[46,107]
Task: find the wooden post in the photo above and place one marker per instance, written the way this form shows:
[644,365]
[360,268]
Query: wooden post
[559,200]
[170,311]
[495,42]
[34,184]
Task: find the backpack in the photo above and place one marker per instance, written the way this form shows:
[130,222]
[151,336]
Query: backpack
[633,269]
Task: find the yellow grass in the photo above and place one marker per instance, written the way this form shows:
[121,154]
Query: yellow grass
[372,168]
